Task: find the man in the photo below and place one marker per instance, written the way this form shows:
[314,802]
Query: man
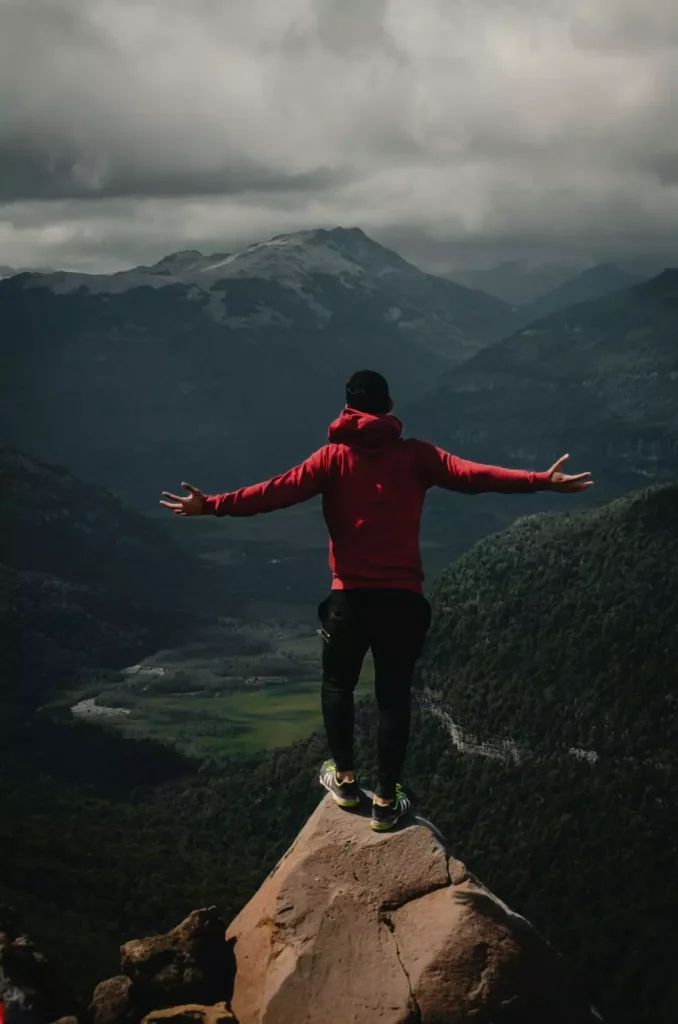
[373,484]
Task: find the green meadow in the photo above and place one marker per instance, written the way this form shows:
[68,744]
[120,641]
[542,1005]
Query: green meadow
[235,724]
[238,689]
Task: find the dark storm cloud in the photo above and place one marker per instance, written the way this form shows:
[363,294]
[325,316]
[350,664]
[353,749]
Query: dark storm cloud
[131,127]
[29,172]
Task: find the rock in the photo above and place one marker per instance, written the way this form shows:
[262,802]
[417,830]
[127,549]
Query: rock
[30,989]
[112,1002]
[355,925]
[190,964]
[190,1013]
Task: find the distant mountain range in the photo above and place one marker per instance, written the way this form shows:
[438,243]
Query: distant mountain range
[225,368]
[598,379]
[522,283]
[7,271]
[222,367]
[515,281]
[593,283]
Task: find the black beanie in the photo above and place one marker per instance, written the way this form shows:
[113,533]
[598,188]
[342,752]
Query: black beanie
[368,391]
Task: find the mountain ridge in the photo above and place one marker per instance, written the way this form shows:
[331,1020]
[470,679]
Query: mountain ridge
[591,283]
[189,369]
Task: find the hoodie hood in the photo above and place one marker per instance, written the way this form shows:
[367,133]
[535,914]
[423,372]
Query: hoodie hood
[363,429]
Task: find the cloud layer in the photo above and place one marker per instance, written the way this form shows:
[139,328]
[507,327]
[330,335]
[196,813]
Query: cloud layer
[457,130]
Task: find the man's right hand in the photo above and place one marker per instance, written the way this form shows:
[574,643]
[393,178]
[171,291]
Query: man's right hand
[193,505]
[564,482]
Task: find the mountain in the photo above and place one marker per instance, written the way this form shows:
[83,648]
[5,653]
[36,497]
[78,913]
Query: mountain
[556,833]
[575,641]
[598,379]
[589,284]
[223,367]
[7,271]
[85,581]
[515,281]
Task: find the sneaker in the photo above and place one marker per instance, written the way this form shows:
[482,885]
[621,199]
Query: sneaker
[346,794]
[384,818]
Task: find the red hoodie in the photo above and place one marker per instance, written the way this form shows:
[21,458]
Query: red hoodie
[373,484]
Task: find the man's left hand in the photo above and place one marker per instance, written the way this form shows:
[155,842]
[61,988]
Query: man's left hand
[562,482]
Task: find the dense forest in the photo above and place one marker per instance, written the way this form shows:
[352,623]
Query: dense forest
[113,838]
[561,631]
[587,852]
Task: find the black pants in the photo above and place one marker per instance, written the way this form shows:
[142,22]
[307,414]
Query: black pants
[393,623]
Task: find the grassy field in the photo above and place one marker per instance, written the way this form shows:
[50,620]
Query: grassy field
[237,688]
[239,723]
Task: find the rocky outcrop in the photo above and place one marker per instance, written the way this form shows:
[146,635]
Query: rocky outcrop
[187,972]
[30,989]
[350,926]
[354,925]
[188,964]
[112,1002]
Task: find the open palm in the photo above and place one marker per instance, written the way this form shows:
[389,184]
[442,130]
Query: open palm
[193,505]
[564,482]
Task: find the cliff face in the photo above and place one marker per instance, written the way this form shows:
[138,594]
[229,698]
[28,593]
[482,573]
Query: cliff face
[350,926]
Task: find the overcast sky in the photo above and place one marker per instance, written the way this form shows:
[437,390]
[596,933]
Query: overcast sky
[461,133]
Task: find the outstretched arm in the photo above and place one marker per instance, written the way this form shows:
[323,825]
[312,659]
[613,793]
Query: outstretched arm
[297,484]
[443,469]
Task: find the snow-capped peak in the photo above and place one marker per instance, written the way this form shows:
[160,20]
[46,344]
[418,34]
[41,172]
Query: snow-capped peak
[339,251]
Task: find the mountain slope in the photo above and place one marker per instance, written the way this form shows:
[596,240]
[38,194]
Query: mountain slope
[287,279]
[598,379]
[221,368]
[562,631]
[84,581]
[585,850]
[593,283]
[514,281]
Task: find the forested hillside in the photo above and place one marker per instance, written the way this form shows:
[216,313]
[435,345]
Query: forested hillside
[114,839]
[84,581]
[562,631]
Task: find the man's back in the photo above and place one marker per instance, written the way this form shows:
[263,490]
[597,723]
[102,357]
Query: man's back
[372,503]
[373,484]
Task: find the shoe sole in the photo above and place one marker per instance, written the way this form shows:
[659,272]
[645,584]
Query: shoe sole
[345,803]
[386,826]
[382,826]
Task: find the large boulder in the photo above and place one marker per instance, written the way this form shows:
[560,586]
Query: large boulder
[360,926]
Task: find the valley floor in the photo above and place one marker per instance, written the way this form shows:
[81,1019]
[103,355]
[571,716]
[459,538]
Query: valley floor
[236,689]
